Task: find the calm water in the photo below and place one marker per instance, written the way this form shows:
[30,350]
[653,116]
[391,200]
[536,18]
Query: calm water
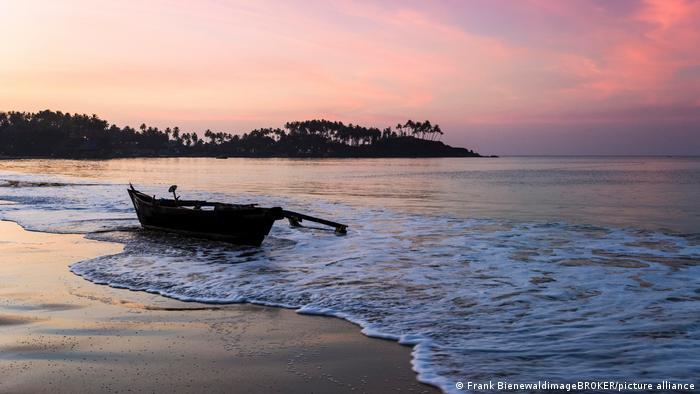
[517,269]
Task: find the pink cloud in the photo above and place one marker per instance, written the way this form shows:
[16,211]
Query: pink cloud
[250,64]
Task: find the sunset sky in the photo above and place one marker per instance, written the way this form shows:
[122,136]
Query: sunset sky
[502,77]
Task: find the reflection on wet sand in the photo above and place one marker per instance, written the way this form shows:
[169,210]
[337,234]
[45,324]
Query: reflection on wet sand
[516,267]
[61,334]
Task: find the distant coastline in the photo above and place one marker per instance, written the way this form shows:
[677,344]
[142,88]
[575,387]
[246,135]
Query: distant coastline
[54,134]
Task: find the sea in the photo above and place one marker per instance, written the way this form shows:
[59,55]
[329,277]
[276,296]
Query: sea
[517,269]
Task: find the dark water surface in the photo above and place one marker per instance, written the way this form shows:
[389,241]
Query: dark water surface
[517,269]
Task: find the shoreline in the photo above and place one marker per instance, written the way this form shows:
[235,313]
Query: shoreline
[300,157]
[62,333]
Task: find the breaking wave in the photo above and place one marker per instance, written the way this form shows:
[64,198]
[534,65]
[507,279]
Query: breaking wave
[479,298]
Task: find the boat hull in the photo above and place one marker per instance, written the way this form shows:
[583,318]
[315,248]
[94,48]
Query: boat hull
[243,225]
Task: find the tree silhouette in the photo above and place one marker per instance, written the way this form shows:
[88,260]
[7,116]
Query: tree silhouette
[57,134]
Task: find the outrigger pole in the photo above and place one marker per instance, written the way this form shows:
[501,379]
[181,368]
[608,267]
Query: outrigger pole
[295,219]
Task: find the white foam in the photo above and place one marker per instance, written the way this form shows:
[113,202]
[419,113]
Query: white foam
[476,298]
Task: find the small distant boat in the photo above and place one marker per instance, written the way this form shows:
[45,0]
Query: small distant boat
[243,224]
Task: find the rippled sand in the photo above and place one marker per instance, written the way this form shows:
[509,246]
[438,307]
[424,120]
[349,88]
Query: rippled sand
[60,333]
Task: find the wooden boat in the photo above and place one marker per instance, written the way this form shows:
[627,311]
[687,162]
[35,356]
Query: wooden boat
[244,224]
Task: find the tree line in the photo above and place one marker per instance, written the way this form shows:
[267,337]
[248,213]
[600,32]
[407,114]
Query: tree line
[57,134]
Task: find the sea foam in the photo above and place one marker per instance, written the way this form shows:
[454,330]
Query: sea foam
[478,298]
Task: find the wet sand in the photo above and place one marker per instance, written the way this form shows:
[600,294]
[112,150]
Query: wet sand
[60,333]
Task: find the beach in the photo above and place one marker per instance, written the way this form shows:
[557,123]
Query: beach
[349,196]
[488,268]
[61,333]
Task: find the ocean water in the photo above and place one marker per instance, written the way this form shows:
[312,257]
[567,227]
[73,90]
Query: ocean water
[517,269]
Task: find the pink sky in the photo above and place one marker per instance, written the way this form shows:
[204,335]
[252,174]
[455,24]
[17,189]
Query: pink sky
[504,77]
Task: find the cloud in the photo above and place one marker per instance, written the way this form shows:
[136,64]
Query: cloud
[241,64]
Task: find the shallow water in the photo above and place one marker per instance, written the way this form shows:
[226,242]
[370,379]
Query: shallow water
[517,269]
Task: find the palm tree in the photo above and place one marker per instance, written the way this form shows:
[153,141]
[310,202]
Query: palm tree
[426,127]
[437,131]
[411,125]
[210,135]
[386,133]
